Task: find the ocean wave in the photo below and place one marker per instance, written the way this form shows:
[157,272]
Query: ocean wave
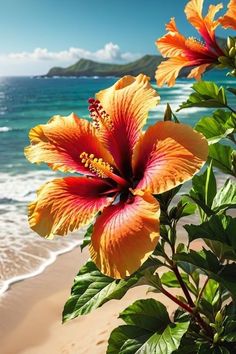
[10,129]
[22,187]
[5,129]
[23,253]
[5,284]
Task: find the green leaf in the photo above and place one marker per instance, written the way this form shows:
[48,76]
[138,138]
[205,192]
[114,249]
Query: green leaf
[166,197]
[210,300]
[148,330]
[211,291]
[207,94]
[87,237]
[166,342]
[204,190]
[207,262]
[169,114]
[148,314]
[217,127]
[219,228]
[189,208]
[126,339]
[92,289]
[169,279]
[204,186]
[222,157]
[229,334]
[225,197]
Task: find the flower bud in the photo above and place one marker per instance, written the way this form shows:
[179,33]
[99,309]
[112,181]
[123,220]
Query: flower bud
[230,42]
[215,338]
[232,52]
[218,317]
[223,60]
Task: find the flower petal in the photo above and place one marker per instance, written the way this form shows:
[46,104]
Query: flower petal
[229,19]
[127,103]
[168,70]
[206,26]
[167,155]
[125,235]
[60,143]
[66,204]
[172,43]
[197,72]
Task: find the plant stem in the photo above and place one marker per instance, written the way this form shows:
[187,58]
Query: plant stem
[202,289]
[190,310]
[183,286]
[177,301]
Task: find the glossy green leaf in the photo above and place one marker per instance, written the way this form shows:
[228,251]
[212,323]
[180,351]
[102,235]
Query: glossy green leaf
[148,314]
[207,94]
[189,208]
[127,339]
[225,197]
[92,289]
[220,228]
[222,157]
[220,125]
[211,291]
[166,342]
[204,186]
[207,262]
[204,190]
[148,330]
[169,279]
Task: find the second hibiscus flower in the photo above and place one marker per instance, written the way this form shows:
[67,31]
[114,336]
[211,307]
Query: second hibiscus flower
[122,168]
[190,52]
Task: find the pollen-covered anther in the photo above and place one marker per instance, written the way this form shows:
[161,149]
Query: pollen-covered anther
[96,165]
[99,116]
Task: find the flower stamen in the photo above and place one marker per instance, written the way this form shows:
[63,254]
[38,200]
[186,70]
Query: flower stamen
[99,116]
[101,168]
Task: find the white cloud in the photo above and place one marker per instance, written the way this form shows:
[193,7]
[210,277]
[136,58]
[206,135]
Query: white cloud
[110,53]
[40,60]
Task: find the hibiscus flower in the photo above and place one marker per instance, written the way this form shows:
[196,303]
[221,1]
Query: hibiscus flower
[122,168]
[189,52]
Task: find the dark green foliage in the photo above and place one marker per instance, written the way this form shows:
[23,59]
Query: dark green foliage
[148,330]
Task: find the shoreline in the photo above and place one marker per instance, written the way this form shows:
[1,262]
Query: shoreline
[24,295]
[31,312]
[52,259]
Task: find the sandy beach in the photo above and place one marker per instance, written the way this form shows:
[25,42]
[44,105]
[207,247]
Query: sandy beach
[30,313]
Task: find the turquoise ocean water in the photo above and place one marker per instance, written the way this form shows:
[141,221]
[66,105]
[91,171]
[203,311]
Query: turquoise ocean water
[24,103]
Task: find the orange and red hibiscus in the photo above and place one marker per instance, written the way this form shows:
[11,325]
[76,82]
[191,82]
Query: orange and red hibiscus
[189,52]
[122,168]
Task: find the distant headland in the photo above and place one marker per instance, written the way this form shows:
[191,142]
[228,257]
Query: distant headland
[84,67]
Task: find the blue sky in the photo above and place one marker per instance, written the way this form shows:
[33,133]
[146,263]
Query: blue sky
[36,35]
